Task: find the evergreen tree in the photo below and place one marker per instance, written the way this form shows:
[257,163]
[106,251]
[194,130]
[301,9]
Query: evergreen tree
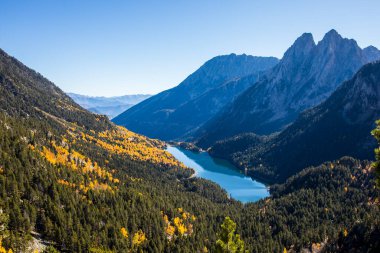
[4,218]
[229,241]
[376,164]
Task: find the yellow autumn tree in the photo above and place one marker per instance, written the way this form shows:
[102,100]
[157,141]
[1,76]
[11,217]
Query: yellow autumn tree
[170,230]
[124,232]
[181,228]
[2,249]
[138,238]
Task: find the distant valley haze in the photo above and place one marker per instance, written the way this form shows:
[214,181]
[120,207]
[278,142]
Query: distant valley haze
[109,106]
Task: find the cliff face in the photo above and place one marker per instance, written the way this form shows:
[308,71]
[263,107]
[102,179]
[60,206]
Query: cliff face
[306,76]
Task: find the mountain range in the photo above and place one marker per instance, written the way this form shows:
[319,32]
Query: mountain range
[72,181]
[178,112]
[339,126]
[307,74]
[110,106]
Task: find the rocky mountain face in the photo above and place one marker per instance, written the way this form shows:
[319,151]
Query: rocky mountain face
[174,113]
[339,126]
[110,106]
[306,76]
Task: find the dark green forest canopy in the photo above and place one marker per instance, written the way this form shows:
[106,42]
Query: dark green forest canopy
[316,204]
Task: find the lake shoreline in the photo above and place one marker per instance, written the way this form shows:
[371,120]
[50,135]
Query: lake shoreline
[238,185]
[192,147]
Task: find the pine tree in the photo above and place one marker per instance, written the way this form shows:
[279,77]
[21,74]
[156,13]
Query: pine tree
[376,164]
[228,241]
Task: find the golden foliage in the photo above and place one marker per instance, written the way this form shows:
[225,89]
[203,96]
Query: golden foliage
[99,177]
[181,228]
[170,230]
[138,238]
[66,183]
[124,232]
[117,141]
[120,141]
[179,225]
[2,249]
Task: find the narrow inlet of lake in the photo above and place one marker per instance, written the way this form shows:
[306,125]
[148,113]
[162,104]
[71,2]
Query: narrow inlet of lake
[222,172]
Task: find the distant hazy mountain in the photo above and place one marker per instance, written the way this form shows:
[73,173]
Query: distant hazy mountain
[110,106]
[307,74]
[338,127]
[173,113]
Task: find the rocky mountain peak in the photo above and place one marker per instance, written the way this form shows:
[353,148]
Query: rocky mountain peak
[332,35]
[306,76]
[300,48]
[333,41]
[294,57]
[371,53]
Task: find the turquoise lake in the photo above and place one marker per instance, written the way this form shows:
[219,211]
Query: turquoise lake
[239,186]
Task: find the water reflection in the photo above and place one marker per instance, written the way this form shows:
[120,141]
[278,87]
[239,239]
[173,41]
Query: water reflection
[222,172]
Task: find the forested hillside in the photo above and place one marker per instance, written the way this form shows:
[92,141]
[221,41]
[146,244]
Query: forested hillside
[127,207]
[71,181]
[77,180]
[26,93]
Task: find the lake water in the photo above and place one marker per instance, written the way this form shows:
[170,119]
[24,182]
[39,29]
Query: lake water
[222,172]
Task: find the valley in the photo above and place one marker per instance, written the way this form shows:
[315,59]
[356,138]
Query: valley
[183,171]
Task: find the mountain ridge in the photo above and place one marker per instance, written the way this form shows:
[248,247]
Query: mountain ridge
[306,75]
[171,114]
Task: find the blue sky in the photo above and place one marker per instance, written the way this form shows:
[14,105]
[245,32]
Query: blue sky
[112,47]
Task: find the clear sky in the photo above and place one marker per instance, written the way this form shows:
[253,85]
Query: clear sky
[111,47]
